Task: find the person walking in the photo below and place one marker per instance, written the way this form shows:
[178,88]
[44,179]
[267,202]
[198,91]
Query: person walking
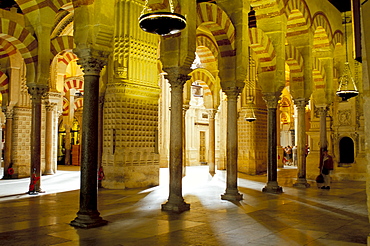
[326,167]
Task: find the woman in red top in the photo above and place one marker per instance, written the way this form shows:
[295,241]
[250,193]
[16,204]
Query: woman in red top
[327,166]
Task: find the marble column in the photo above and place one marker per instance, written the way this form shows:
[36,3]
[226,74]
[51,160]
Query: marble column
[88,215]
[272,184]
[176,201]
[8,141]
[36,91]
[49,136]
[212,142]
[232,193]
[323,141]
[301,143]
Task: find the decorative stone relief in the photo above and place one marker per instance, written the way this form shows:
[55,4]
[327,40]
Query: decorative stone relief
[344,117]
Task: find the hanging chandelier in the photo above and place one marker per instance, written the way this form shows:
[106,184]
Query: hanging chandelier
[249,115]
[163,23]
[347,86]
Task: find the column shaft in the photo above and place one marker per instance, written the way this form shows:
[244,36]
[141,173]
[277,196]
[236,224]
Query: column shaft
[323,140]
[231,192]
[272,184]
[8,142]
[301,143]
[175,199]
[212,142]
[36,91]
[49,140]
[88,215]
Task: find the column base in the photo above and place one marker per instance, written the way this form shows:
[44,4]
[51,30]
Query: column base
[88,220]
[272,187]
[176,207]
[232,196]
[301,183]
[48,172]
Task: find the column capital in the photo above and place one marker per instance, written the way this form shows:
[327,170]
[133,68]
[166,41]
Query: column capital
[322,110]
[37,91]
[177,76]
[8,111]
[300,102]
[212,113]
[232,92]
[270,99]
[92,61]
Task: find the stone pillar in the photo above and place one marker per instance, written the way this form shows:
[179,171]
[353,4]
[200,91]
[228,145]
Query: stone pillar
[323,140]
[100,138]
[36,91]
[8,141]
[212,142]
[185,109]
[301,143]
[49,136]
[175,199]
[67,144]
[231,192]
[272,184]
[88,215]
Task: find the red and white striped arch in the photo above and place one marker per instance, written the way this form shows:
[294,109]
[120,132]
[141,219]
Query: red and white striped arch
[73,82]
[206,49]
[294,60]
[263,48]
[7,48]
[204,78]
[65,107]
[66,57]
[79,103]
[318,74]
[62,43]
[29,6]
[220,25]
[4,83]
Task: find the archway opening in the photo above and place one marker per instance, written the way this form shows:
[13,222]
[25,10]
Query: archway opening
[346,150]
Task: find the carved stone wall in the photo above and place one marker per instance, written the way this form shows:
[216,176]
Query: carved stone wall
[21,149]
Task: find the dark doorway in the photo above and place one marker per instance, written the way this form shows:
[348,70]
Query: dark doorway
[346,150]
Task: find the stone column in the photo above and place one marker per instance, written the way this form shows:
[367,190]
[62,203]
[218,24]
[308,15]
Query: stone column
[36,91]
[323,141]
[185,109]
[8,141]
[231,192]
[212,142]
[175,199]
[49,136]
[301,143]
[272,184]
[88,215]
[67,144]
[100,135]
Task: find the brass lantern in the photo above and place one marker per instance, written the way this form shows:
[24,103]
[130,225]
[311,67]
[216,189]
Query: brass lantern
[158,17]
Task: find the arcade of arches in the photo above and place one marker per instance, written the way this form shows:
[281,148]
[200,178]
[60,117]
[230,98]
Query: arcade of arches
[81,84]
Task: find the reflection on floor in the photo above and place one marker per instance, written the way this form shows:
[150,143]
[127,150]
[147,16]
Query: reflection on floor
[296,217]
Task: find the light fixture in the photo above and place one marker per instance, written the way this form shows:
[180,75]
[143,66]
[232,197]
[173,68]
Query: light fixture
[250,85]
[249,115]
[347,87]
[164,22]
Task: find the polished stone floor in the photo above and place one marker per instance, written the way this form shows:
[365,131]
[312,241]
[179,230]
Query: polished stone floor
[311,216]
